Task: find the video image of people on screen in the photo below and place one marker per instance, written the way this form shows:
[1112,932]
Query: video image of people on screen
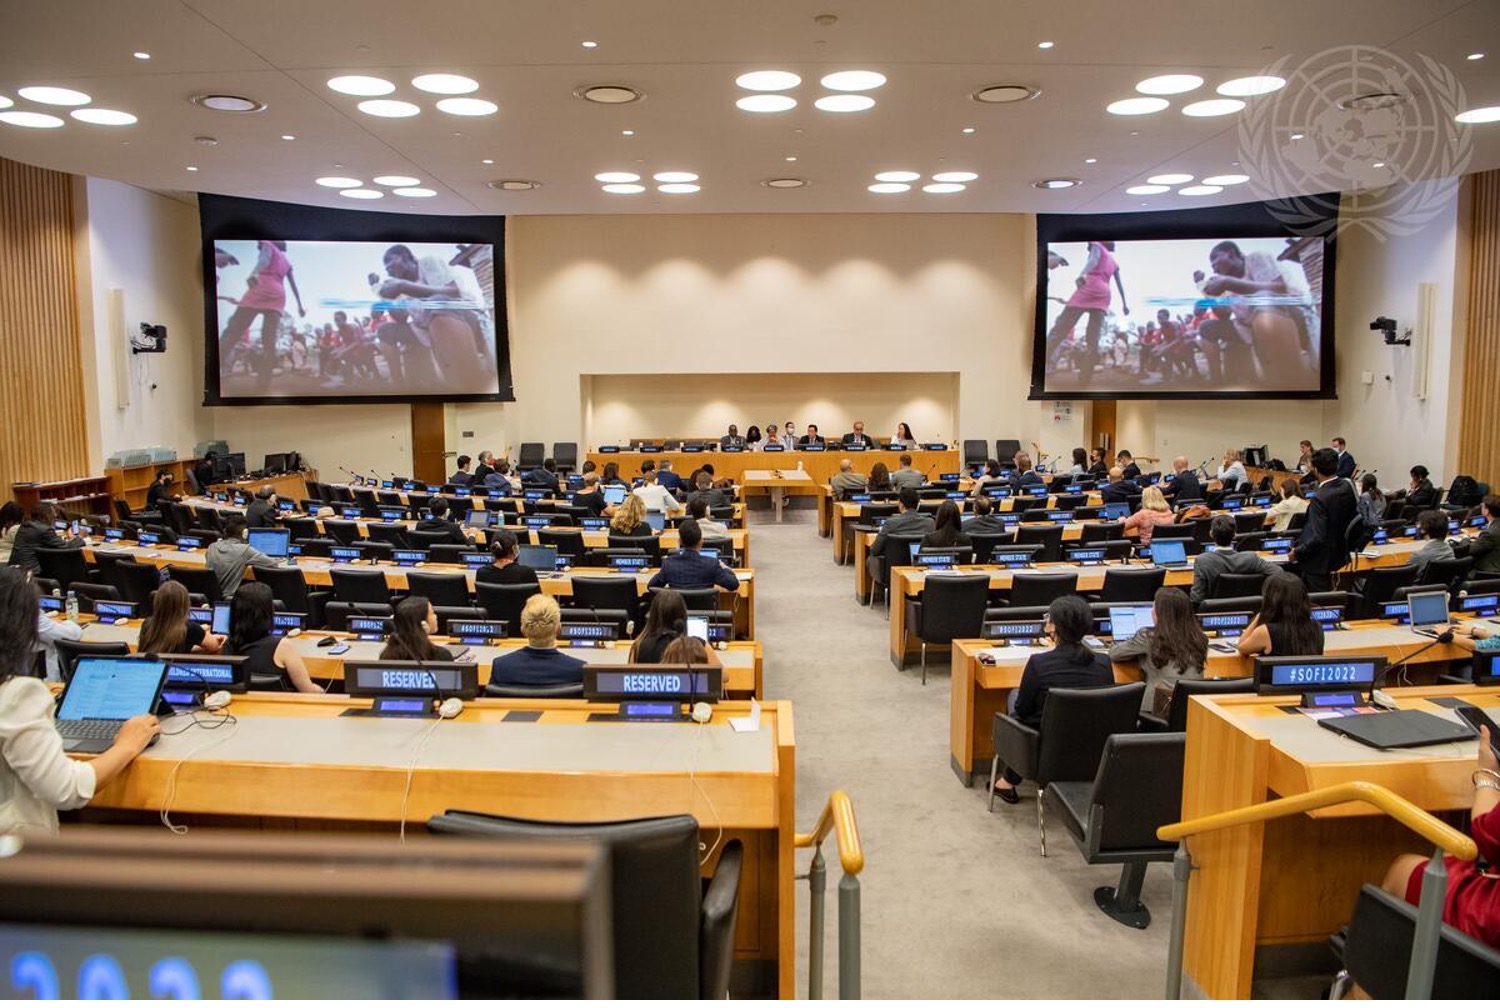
[328,318]
[1190,316]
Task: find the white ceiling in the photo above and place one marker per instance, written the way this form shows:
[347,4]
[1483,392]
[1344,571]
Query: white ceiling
[527,57]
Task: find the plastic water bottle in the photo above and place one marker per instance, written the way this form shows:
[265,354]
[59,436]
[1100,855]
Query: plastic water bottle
[799,465]
[72,607]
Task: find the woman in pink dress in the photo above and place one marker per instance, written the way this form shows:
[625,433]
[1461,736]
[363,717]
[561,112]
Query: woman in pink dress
[265,295]
[1092,297]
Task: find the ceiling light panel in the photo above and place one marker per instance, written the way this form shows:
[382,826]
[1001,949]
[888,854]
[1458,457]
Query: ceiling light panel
[1226,180]
[46,95]
[678,188]
[339,182]
[394,181]
[845,103]
[1136,106]
[766,103]
[364,194]
[1213,107]
[889,188]
[898,176]
[675,176]
[1199,190]
[103,117]
[389,108]
[468,106]
[617,176]
[361,87]
[1171,178]
[1249,87]
[31,120]
[415,192]
[623,188]
[444,84]
[1170,84]
[1147,190]
[943,188]
[767,80]
[955,176]
[853,80]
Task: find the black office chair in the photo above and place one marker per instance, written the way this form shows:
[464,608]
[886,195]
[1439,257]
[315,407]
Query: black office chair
[448,614]
[302,528]
[138,582]
[1376,954]
[651,544]
[208,517]
[1182,692]
[1244,603]
[985,544]
[976,453]
[1250,542]
[439,589]
[1449,573]
[673,933]
[504,601]
[105,561]
[700,599]
[1348,600]
[376,552]
[1076,723]
[165,534]
[569,543]
[69,651]
[346,533]
[1067,502]
[565,454]
[319,547]
[1254,521]
[533,453]
[1185,531]
[432,540]
[1114,817]
[1032,588]
[1005,450]
[950,608]
[447,553]
[602,557]
[360,586]
[896,552]
[64,566]
[336,614]
[551,691]
[387,533]
[91,593]
[289,587]
[1126,584]
[613,592]
[1117,549]
[1093,532]
[1237,585]
[206,537]
[1049,537]
[197,580]
[1379,585]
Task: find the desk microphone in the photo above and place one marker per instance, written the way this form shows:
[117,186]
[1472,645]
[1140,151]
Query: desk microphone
[1446,637]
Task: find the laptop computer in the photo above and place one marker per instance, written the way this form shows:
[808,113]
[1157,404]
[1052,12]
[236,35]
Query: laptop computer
[1169,553]
[1125,621]
[1116,512]
[656,520]
[1401,729]
[270,541]
[103,694]
[542,559]
[1428,609]
[614,494]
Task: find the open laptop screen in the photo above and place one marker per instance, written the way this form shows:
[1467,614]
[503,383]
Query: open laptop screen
[271,542]
[111,689]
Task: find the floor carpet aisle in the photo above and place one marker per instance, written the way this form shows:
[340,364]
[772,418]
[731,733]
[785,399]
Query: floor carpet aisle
[957,902]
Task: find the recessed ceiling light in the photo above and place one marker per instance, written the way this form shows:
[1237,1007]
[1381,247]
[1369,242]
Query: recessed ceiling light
[1168,84]
[627,132]
[791,157]
[968,129]
[853,80]
[1249,87]
[1213,107]
[886,188]
[513,185]
[5,102]
[415,192]
[444,83]
[202,141]
[1136,106]
[1488,114]
[288,136]
[1045,45]
[1171,178]
[389,108]
[339,182]
[1199,190]
[363,193]
[589,44]
[103,117]
[609,94]
[898,176]
[141,55]
[394,181]
[955,176]
[229,103]
[54,95]
[785,182]
[675,176]
[1004,94]
[943,188]
[767,80]
[488,161]
[617,176]
[623,188]
[678,188]
[845,103]
[192,167]
[1056,183]
[766,103]
[1475,56]
[361,87]
[1147,190]
[33,120]
[1090,160]
[468,106]
[1226,180]
[1296,136]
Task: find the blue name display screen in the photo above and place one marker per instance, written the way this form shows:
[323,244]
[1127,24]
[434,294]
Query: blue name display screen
[1323,674]
[672,685]
[200,674]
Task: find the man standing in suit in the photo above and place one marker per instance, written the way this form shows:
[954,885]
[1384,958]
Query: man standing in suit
[732,439]
[1185,485]
[1117,490]
[1323,547]
[909,521]
[1346,464]
[688,568]
[858,436]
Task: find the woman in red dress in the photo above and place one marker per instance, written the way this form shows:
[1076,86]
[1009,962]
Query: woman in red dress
[1092,297]
[265,295]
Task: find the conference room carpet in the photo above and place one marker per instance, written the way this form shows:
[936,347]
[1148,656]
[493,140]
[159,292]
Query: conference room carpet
[957,902]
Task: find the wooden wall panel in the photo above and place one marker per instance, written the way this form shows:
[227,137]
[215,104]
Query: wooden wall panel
[43,433]
[1479,424]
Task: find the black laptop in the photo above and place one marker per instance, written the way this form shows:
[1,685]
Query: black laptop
[1402,729]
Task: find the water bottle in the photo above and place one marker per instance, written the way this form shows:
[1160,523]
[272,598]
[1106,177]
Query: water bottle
[799,465]
[72,606]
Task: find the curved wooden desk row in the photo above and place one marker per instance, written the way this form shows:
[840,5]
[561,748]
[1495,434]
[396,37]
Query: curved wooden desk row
[979,691]
[476,502]
[818,465]
[292,762]
[834,517]
[318,573]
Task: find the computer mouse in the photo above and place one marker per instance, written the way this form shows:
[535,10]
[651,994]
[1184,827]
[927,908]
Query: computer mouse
[450,708]
[1382,699]
[294,632]
[120,620]
[328,642]
[217,700]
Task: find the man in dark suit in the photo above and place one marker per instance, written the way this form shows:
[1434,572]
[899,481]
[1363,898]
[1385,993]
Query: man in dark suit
[687,568]
[439,522]
[461,476]
[1346,465]
[1184,485]
[732,439]
[484,468]
[984,521]
[262,511]
[544,478]
[669,479]
[704,490]
[1323,546]
[812,437]
[909,521]
[1224,559]
[1127,465]
[1025,474]
[1118,490]
[858,436]
[1485,547]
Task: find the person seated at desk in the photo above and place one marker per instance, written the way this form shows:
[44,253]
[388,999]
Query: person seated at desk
[48,632]
[1419,493]
[539,663]
[698,511]
[1184,484]
[439,522]
[704,490]
[753,437]
[772,438]
[992,476]
[610,475]
[1154,511]
[501,478]
[1224,559]
[250,619]
[544,478]
[1118,490]
[1080,463]
[812,437]
[656,497]
[1346,464]
[37,533]
[732,439]
[687,650]
[503,568]
[1069,665]
[1432,527]
[903,438]
[1485,547]
[229,556]
[1231,474]
[1304,460]
[1284,626]
[908,521]
[36,777]
[462,477]
[1126,462]
[411,628]
[1371,502]
[846,481]
[667,477]
[161,490]
[206,472]
[789,435]
[11,519]
[262,510]
[484,468]
[1291,503]
[630,518]
[1098,467]
[906,476]
[589,496]
[858,436]
[1472,903]
[688,568]
[984,520]
[880,478]
[169,631]
[1025,474]
[947,528]
[1174,648]
[665,622]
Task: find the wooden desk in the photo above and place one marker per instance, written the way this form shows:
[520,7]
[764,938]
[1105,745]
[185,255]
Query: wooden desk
[1294,881]
[779,482]
[819,465]
[978,691]
[476,502]
[293,762]
[292,486]
[843,514]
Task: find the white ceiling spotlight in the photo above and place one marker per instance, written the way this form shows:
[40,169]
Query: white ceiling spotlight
[467,106]
[1250,87]
[339,182]
[1170,84]
[1045,45]
[444,84]
[955,176]
[1199,190]
[141,55]
[1488,114]
[888,188]
[103,117]
[678,188]
[617,177]
[415,192]
[1136,106]
[898,176]
[845,103]
[513,185]
[1226,180]
[767,80]
[1056,183]
[394,181]
[361,86]
[623,188]
[229,103]
[1146,190]
[853,80]
[363,194]
[388,108]
[943,188]
[1171,178]
[5,102]
[31,120]
[1213,107]
[46,95]
[675,176]
[766,103]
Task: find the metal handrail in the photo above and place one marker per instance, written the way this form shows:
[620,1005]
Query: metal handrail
[1445,839]
[837,817]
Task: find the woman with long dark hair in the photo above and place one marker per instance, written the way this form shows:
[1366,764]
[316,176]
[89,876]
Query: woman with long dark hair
[904,438]
[250,637]
[409,633]
[948,527]
[11,517]
[1284,625]
[1174,648]
[880,477]
[168,630]
[1371,502]
[1080,466]
[665,622]
[36,777]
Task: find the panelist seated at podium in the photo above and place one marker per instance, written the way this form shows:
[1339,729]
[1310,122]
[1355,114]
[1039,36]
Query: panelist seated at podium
[732,439]
[858,436]
[539,663]
[812,437]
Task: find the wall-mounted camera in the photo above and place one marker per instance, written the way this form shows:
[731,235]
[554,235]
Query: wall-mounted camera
[1387,326]
[153,339]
